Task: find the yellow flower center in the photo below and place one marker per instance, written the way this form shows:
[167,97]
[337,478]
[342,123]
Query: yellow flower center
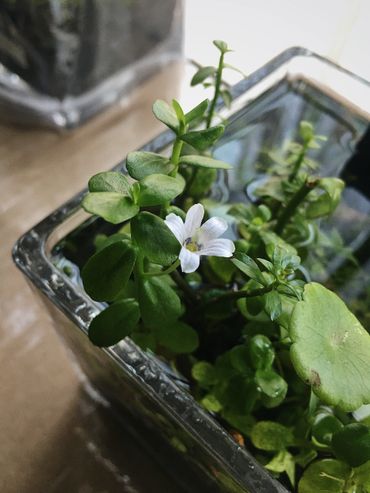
[192,245]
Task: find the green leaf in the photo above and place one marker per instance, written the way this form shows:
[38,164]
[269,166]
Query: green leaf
[177,336]
[328,475]
[362,477]
[158,302]
[111,206]
[106,273]
[240,422]
[248,266]
[324,426]
[351,444]
[211,403]
[271,384]
[202,74]
[221,45]
[167,115]
[271,436]
[101,241]
[222,267]
[154,239]
[203,182]
[327,202]
[306,131]
[204,162]
[273,304]
[109,181]
[179,112]
[283,461]
[239,359]
[141,164]
[330,350]
[203,139]
[261,352]
[145,340]
[197,112]
[114,323]
[204,373]
[227,98]
[159,189]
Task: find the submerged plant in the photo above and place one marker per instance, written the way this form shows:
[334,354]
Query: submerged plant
[280,359]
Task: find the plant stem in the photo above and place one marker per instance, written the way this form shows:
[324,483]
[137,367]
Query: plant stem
[175,156]
[169,269]
[298,163]
[293,204]
[184,286]
[217,90]
[236,295]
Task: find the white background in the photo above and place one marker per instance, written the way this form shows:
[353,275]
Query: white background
[258,30]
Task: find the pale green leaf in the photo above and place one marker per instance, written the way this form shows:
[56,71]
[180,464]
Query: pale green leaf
[330,350]
[203,139]
[111,206]
[141,164]
[158,189]
[204,162]
[109,181]
[202,74]
[271,436]
[197,112]
[326,476]
[166,114]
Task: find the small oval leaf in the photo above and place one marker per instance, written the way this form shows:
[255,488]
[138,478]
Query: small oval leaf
[167,115]
[159,189]
[111,206]
[141,164]
[203,139]
[202,74]
[109,181]
[197,112]
[159,303]
[177,336]
[154,239]
[106,273]
[204,162]
[114,323]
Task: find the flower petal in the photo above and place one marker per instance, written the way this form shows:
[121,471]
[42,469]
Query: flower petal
[193,219]
[175,224]
[212,229]
[189,260]
[221,247]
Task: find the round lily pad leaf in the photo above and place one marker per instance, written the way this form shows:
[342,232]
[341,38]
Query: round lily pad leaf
[328,475]
[330,350]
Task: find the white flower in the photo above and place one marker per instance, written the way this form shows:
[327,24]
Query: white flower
[197,240]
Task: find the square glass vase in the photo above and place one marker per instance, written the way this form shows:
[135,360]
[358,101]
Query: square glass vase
[152,401]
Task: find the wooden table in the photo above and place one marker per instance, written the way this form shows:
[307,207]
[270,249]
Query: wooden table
[54,439]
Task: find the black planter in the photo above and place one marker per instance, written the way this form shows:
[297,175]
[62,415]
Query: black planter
[68,59]
[267,108]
